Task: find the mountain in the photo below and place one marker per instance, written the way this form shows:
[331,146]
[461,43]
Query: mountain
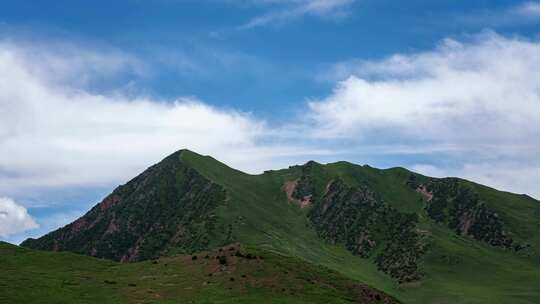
[170,206]
[417,238]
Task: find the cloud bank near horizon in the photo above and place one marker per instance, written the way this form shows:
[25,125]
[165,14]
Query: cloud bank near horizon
[477,101]
[57,133]
[468,107]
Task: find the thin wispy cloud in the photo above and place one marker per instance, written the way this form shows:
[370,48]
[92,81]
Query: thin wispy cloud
[528,9]
[283,11]
[514,15]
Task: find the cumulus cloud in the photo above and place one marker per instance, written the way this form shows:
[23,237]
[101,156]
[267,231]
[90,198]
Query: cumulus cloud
[58,134]
[463,108]
[14,218]
[286,10]
[488,87]
[478,99]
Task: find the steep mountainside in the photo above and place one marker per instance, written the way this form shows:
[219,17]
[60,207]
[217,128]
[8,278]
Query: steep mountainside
[168,208]
[417,238]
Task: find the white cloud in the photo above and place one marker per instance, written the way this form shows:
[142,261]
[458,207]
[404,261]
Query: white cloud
[65,63]
[488,87]
[46,224]
[14,218]
[283,11]
[528,9]
[57,134]
[479,100]
[521,14]
[474,103]
[430,170]
[510,176]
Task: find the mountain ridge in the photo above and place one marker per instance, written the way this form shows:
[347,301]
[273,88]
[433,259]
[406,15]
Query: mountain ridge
[389,227]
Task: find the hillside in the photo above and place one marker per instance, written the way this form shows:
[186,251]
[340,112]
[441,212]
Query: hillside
[420,239]
[227,275]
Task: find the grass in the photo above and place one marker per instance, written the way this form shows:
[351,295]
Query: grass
[457,269]
[30,276]
[298,266]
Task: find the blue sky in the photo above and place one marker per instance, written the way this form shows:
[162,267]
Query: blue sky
[252,68]
[95,91]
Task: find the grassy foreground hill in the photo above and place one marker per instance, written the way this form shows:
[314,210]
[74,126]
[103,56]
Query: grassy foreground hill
[232,274]
[419,239]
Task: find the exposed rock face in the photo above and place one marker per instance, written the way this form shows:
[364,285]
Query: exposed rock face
[347,215]
[290,189]
[460,208]
[422,189]
[304,189]
[167,206]
[358,218]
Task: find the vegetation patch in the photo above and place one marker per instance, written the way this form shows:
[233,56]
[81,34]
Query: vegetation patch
[461,209]
[360,219]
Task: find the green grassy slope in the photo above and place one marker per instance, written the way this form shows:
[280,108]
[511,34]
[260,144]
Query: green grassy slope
[457,269]
[521,212]
[30,276]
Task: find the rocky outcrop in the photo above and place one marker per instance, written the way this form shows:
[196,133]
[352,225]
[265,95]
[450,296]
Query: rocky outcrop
[461,209]
[302,201]
[358,218]
[304,188]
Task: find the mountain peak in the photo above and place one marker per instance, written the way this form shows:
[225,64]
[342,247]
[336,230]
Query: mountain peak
[169,206]
[311,163]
